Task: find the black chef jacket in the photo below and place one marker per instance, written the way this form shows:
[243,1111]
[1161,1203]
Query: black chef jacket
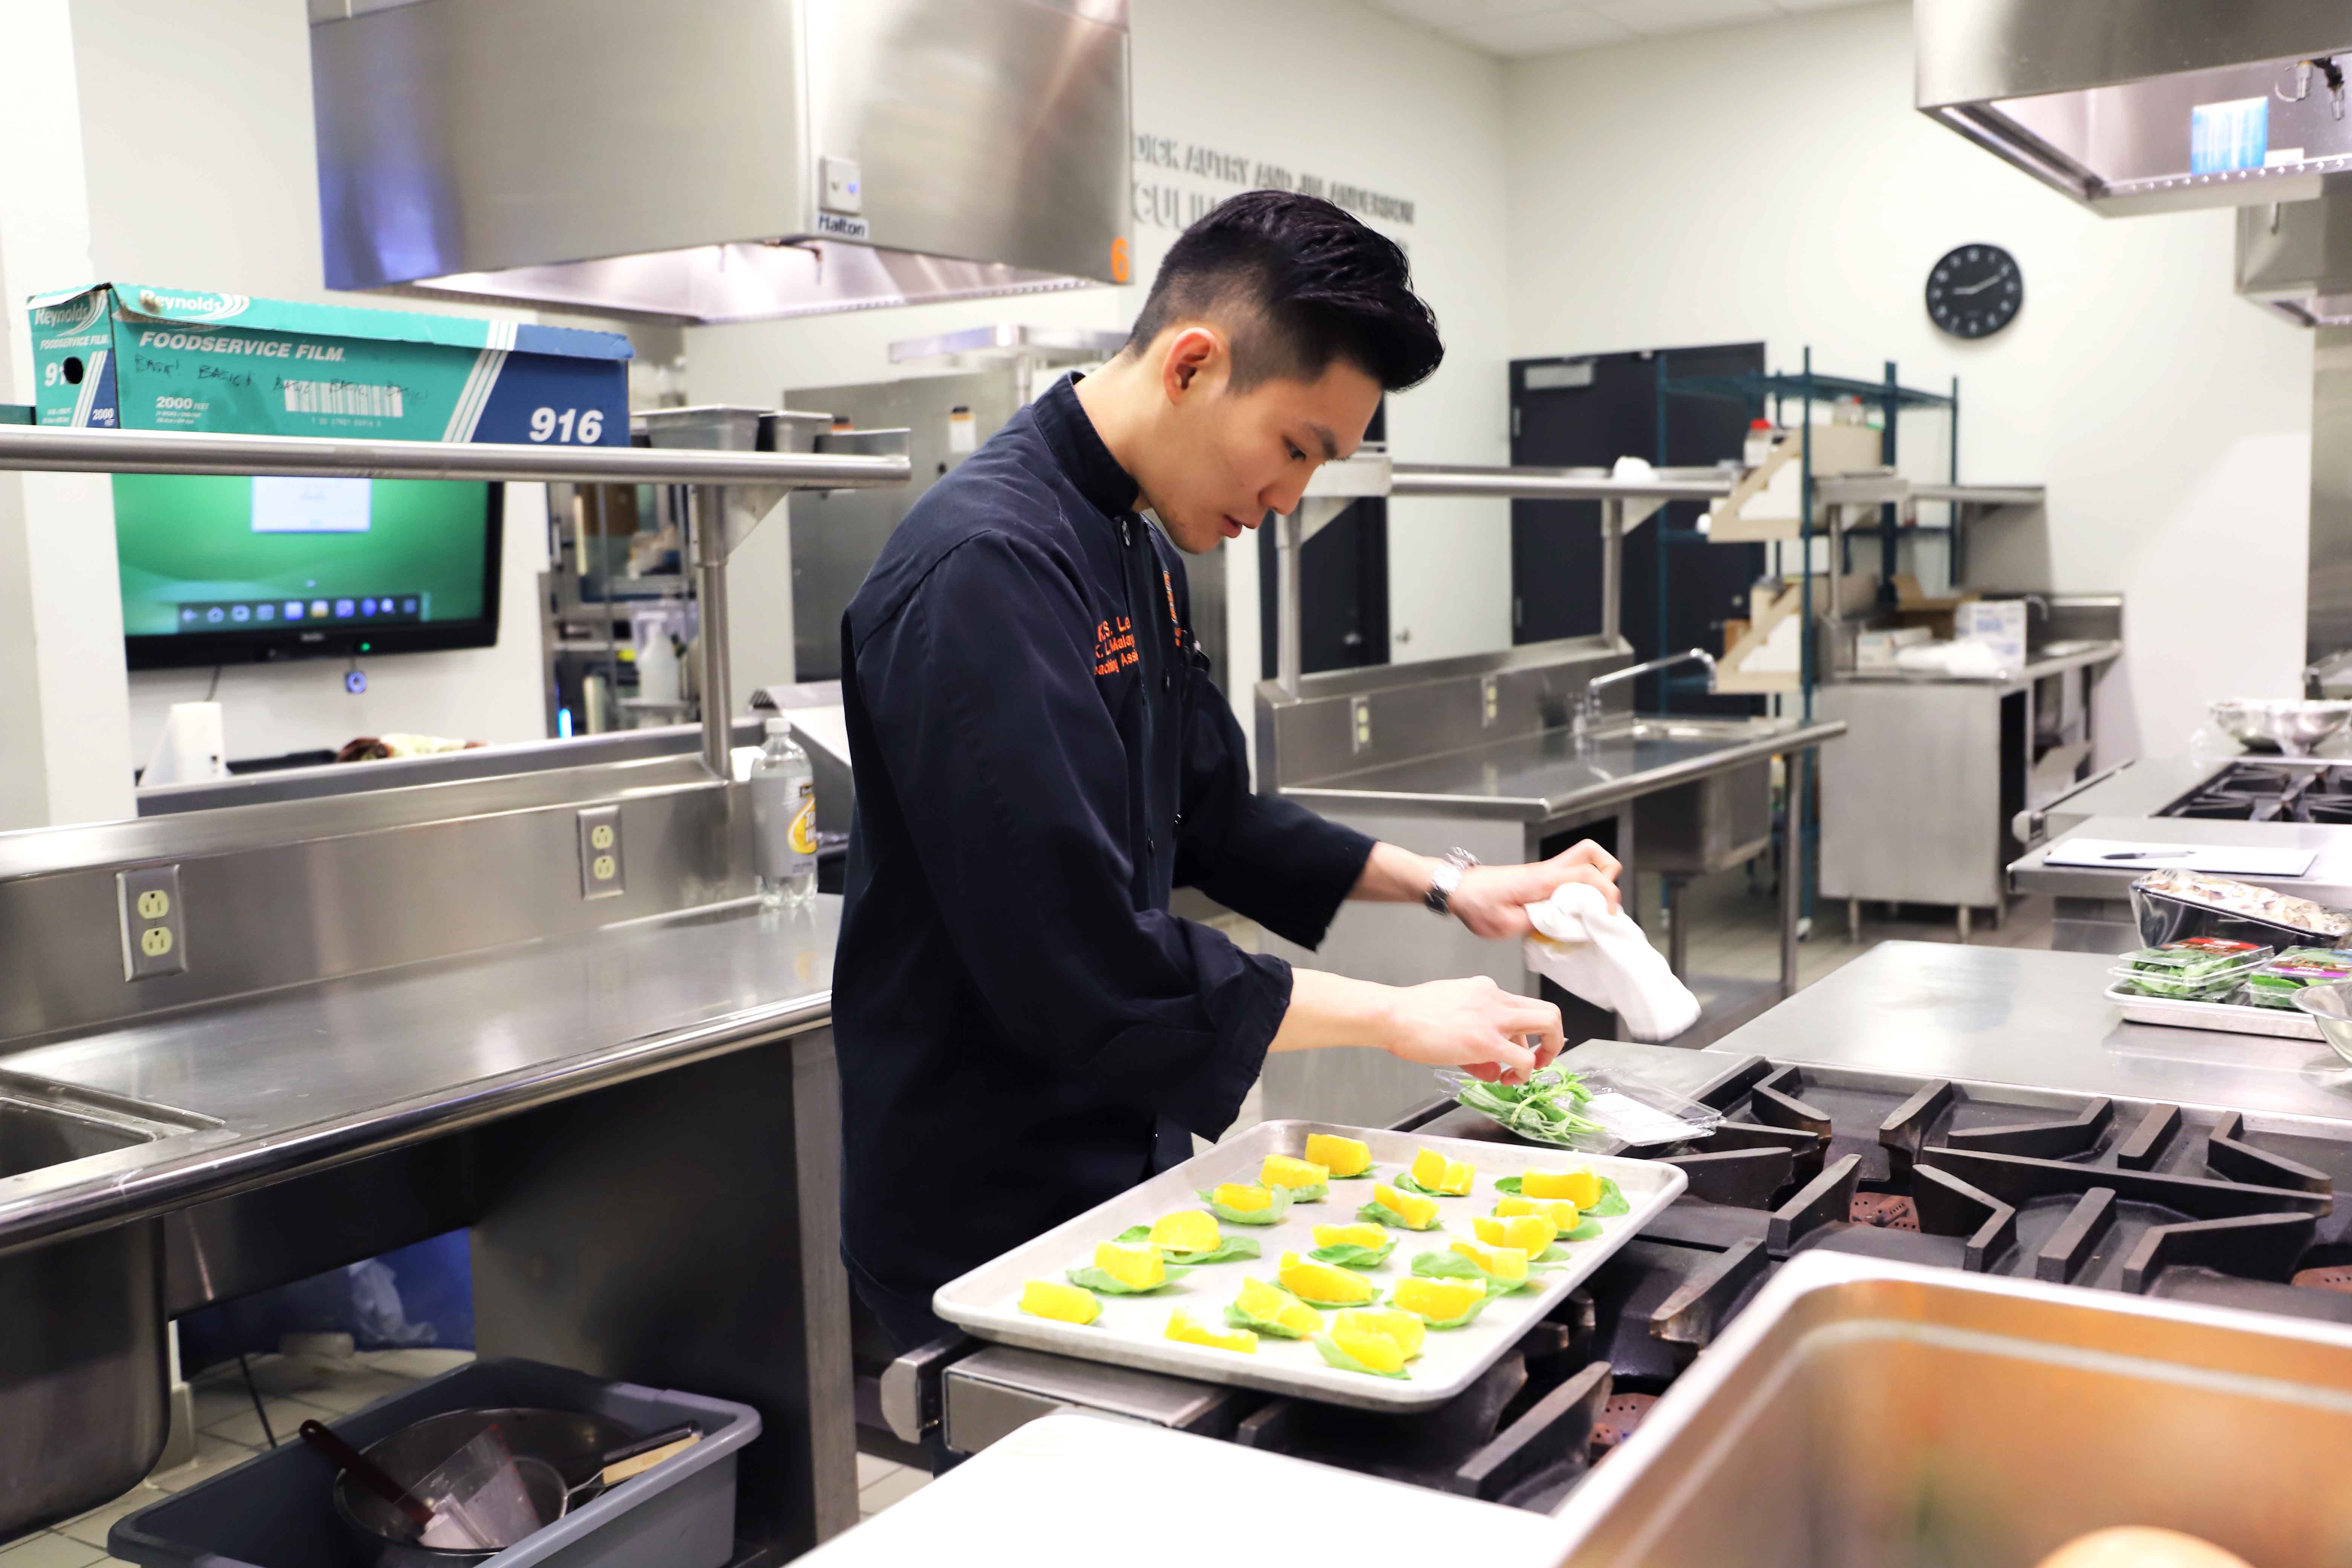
[1040,757]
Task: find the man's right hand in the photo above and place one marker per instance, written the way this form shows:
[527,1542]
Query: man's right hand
[1474,1024]
[1471,1024]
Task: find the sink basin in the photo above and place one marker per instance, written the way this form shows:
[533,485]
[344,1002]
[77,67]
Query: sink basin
[82,1386]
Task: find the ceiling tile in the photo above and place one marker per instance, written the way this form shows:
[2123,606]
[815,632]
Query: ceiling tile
[1650,17]
[1444,15]
[1539,32]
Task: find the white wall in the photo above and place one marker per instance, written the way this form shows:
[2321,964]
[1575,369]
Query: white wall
[1774,181]
[1321,86]
[197,138]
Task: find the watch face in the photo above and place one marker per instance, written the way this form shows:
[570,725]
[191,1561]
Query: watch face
[1975,290]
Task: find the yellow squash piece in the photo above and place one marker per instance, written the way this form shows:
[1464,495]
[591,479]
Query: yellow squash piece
[1242,1198]
[1282,1170]
[1191,1231]
[1340,1156]
[1416,1211]
[1405,1329]
[1439,1174]
[1582,1188]
[1562,1214]
[1499,1262]
[1323,1281]
[1439,1300]
[1377,1351]
[1530,1232]
[1261,1301]
[1183,1326]
[1371,1236]
[1137,1267]
[1063,1304]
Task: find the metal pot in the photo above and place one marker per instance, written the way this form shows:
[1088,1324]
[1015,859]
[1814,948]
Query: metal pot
[554,1449]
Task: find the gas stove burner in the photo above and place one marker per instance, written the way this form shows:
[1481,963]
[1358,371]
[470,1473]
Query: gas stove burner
[2335,1276]
[1888,1211]
[1618,1418]
[2254,790]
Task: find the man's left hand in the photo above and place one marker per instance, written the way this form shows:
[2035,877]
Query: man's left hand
[1493,899]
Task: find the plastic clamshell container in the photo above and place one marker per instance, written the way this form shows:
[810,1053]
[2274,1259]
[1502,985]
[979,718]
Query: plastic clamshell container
[276,1509]
[1859,1410]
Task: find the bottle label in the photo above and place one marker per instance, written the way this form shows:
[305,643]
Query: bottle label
[783,827]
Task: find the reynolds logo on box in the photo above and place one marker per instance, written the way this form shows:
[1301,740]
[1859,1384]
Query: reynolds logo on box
[127,357]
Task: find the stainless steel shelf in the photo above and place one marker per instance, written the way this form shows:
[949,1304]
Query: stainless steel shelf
[1982,495]
[1554,484]
[26,448]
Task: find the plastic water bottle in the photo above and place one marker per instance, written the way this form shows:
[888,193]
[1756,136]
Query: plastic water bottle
[783,821]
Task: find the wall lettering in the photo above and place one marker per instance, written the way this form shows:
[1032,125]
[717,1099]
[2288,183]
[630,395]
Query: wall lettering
[1159,203]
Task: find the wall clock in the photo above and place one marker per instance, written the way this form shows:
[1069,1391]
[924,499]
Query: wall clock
[1975,290]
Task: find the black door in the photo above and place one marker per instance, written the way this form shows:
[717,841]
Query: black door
[1343,586]
[1587,412]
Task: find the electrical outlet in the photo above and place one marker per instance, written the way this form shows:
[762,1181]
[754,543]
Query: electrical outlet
[600,852]
[1490,700]
[1360,724]
[154,925]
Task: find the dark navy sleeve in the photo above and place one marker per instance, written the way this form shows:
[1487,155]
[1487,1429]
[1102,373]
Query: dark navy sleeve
[1009,770]
[1259,855]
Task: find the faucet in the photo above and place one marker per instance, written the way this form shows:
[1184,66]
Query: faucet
[1588,710]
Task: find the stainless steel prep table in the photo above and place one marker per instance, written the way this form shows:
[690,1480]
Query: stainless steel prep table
[1507,801]
[640,1124]
[2033,1019]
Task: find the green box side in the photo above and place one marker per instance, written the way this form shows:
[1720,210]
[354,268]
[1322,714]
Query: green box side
[64,326]
[165,379]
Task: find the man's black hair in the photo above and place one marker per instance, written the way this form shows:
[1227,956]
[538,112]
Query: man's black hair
[1298,283]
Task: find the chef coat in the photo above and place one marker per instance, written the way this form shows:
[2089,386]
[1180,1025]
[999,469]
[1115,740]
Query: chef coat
[1023,1030]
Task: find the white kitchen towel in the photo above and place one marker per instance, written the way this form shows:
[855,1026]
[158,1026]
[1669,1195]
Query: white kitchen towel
[1605,959]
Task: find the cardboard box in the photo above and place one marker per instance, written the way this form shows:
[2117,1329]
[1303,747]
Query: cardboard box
[1998,624]
[126,356]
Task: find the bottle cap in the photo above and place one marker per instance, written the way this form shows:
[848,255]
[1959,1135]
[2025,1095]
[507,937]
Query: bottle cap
[1760,424]
[780,726]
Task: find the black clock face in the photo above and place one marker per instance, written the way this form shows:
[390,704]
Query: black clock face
[1975,290]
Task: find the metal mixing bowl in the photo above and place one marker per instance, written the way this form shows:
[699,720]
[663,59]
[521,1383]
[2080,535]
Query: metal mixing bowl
[2292,725]
[553,1448]
[2331,1007]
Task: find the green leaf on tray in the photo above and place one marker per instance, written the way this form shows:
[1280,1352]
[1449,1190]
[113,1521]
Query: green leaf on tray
[1365,1174]
[1405,1184]
[1612,1202]
[1271,1214]
[1476,1308]
[1237,1319]
[1378,1213]
[1454,1265]
[1324,1305]
[1336,1357]
[1230,1250]
[1314,1195]
[1349,1255]
[1095,1279]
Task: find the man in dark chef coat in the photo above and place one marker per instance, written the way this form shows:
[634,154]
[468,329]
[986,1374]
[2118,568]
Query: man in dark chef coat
[1024,1030]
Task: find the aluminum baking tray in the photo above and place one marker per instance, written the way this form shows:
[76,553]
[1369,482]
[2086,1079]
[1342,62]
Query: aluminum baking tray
[1131,1329]
[2229,1018]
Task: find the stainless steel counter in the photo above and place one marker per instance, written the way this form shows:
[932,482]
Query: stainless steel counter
[332,1070]
[2056,658]
[2141,788]
[1552,776]
[2329,880]
[2033,1019]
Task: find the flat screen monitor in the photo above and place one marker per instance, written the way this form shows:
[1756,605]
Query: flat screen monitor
[218,570]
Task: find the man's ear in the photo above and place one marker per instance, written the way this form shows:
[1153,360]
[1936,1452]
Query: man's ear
[1193,353]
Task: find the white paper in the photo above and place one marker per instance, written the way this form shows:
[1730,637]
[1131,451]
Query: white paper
[2215,860]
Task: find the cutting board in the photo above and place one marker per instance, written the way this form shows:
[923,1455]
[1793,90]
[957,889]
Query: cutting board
[2215,860]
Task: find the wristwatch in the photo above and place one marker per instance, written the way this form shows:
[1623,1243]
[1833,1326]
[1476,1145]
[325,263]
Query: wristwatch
[1446,878]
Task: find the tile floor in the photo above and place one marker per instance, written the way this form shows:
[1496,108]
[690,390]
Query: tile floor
[228,1433]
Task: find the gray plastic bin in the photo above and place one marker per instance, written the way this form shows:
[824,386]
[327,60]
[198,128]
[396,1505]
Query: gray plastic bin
[275,1511]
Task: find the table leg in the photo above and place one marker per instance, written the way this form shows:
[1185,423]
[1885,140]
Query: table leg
[1793,868]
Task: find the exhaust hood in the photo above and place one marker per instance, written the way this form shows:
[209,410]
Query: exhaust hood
[2136,106]
[2296,260]
[723,160]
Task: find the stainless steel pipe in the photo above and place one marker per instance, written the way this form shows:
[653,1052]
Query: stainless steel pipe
[30,447]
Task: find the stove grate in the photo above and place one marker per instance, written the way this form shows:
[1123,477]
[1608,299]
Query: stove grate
[2335,1276]
[1888,1211]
